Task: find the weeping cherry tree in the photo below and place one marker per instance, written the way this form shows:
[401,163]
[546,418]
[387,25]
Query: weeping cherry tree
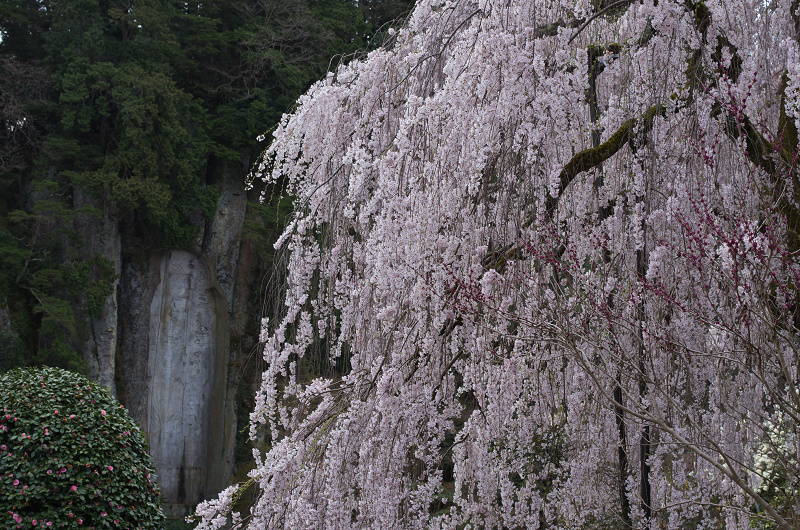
[541,273]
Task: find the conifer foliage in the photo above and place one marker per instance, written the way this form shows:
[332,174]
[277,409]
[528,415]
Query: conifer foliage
[132,115]
[542,274]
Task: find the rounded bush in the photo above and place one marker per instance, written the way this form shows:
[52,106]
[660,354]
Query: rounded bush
[71,456]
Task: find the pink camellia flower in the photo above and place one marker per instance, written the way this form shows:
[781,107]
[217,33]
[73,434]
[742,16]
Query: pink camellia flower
[74,488]
[17,518]
[16,482]
[103,513]
[102,412]
[111,468]
[33,522]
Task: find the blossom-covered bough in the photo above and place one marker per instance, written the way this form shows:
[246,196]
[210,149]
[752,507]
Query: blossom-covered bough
[542,273]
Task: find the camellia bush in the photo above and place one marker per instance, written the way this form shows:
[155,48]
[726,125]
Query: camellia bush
[71,456]
[542,273]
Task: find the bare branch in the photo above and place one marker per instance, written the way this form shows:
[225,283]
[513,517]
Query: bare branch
[598,14]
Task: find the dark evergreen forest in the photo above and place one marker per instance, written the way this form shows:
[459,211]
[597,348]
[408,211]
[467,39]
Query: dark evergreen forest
[135,105]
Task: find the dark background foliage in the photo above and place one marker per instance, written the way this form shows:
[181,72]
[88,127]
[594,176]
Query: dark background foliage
[135,103]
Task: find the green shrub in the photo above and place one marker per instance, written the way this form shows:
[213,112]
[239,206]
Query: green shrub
[70,456]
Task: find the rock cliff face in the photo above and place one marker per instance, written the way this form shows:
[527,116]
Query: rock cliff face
[184,415]
[101,236]
[173,372]
[173,349]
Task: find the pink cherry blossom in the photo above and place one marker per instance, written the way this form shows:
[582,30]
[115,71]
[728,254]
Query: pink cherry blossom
[544,260]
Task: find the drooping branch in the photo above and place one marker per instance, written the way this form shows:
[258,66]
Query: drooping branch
[596,66]
[535,322]
[551,30]
[724,465]
[701,14]
[603,7]
[757,149]
[592,157]
[606,9]
[778,161]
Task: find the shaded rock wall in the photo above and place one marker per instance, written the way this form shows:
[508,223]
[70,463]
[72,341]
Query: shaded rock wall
[169,340]
[186,377]
[101,236]
[174,347]
[173,371]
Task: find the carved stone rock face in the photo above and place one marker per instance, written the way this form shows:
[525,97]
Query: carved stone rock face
[186,367]
[173,347]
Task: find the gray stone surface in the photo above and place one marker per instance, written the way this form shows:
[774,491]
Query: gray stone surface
[223,238]
[175,336]
[186,378]
[137,284]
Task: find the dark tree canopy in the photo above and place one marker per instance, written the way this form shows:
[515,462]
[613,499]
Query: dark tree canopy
[136,105]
